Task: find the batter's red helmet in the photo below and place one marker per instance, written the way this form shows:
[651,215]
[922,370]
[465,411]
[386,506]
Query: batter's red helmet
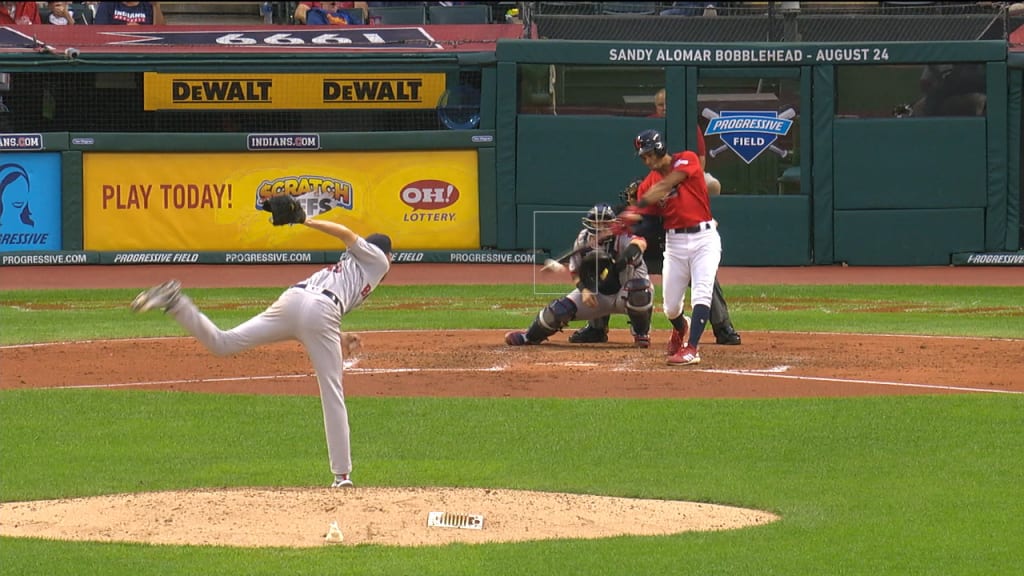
[649,141]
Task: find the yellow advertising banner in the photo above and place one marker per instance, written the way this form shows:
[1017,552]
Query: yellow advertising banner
[261,91]
[186,201]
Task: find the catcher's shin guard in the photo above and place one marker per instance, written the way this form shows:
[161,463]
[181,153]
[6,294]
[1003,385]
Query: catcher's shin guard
[551,319]
[639,305]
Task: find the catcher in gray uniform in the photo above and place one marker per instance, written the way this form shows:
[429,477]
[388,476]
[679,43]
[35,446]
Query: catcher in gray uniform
[310,312]
[610,277]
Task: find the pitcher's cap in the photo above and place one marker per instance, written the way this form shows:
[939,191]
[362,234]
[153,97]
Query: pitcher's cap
[382,241]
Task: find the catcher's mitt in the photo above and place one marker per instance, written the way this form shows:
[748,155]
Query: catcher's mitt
[597,273]
[286,210]
[628,194]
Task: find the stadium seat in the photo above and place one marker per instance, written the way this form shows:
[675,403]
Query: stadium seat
[390,15]
[462,14]
[568,8]
[630,8]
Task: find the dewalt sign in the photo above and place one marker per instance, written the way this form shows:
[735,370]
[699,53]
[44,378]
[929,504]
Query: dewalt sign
[292,91]
[359,90]
[254,90]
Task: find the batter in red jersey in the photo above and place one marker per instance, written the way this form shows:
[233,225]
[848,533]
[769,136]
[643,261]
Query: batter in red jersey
[675,189]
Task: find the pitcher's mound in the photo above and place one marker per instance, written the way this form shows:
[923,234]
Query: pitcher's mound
[302,517]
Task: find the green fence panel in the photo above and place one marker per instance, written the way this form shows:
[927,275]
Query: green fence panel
[903,163]
[505,150]
[238,142]
[488,97]
[823,116]
[488,197]
[680,120]
[576,160]
[807,146]
[548,227]
[1015,158]
[907,237]
[995,106]
[752,54]
[72,225]
[764,230]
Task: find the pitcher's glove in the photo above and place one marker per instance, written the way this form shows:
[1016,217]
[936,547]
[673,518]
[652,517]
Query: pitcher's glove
[286,210]
[351,344]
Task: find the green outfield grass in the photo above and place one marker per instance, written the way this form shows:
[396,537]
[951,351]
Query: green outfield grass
[57,315]
[874,486]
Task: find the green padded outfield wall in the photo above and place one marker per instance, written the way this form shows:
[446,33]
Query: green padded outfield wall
[870,191]
[531,164]
[903,195]
[566,164]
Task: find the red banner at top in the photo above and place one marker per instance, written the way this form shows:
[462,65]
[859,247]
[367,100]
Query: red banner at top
[254,39]
[1017,40]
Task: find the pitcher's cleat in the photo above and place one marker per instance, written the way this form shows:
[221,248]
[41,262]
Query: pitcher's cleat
[342,481]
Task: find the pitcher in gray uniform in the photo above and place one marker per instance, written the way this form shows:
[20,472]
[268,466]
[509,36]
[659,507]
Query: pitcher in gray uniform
[310,312]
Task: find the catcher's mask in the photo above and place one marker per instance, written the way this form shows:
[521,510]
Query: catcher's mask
[599,218]
[650,141]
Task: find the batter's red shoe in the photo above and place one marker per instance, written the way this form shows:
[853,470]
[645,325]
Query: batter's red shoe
[675,342]
[686,357]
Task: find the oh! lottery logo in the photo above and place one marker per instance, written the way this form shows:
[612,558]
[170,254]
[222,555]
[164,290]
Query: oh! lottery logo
[748,133]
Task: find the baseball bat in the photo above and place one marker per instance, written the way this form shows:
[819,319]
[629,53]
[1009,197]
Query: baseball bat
[549,264]
[784,115]
[782,153]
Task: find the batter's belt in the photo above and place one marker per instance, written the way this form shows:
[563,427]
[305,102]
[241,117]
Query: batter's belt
[693,229]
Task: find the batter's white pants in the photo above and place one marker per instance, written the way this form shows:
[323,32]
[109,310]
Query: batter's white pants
[298,314]
[690,257]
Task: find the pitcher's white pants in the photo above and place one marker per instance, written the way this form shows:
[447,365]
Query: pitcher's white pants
[312,319]
[689,257]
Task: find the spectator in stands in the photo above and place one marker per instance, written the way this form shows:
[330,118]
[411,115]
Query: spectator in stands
[325,11]
[691,9]
[61,14]
[19,13]
[130,13]
[952,90]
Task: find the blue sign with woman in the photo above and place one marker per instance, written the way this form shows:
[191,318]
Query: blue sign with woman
[30,202]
